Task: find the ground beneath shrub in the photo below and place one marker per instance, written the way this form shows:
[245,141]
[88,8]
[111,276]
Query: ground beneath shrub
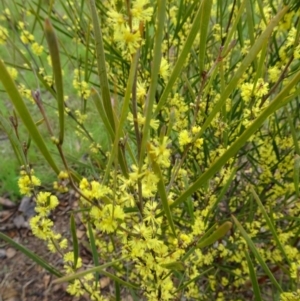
[20,278]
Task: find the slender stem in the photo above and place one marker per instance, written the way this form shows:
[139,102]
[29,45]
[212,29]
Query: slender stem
[134,113]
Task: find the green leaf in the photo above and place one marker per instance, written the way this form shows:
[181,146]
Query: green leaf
[253,278]
[176,265]
[189,202]
[204,21]
[212,210]
[74,240]
[193,280]
[105,93]
[94,250]
[15,143]
[269,223]
[98,269]
[256,254]
[157,54]
[250,21]
[205,236]
[117,291]
[218,234]
[120,125]
[24,114]
[181,59]
[40,261]
[100,108]
[162,190]
[233,28]
[296,173]
[292,128]
[119,280]
[56,65]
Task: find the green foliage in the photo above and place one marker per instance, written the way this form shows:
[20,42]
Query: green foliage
[185,114]
[9,179]
[43,263]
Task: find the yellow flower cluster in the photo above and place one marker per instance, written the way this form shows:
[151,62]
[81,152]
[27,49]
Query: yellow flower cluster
[41,225]
[80,85]
[290,296]
[27,182]
[62,184]
[3,35]
[37,49]
[13,72]
[128,36]
[162,151]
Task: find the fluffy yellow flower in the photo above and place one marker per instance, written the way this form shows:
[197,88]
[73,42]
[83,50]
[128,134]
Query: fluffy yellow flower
[162,152]
[274,73]
[139,11]
[246,91]
[290,296]
[184,138]
[41,227]
[45,202]
[37,49]
[149,184]
[26,37]
[141,90]
[261,88]
[127,40]
[27,184]
[3,35]
[75,288]
[164,68]
[12,72]
[297,52]
[110,217]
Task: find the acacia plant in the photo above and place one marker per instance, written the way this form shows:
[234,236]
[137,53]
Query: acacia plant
[191,187]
